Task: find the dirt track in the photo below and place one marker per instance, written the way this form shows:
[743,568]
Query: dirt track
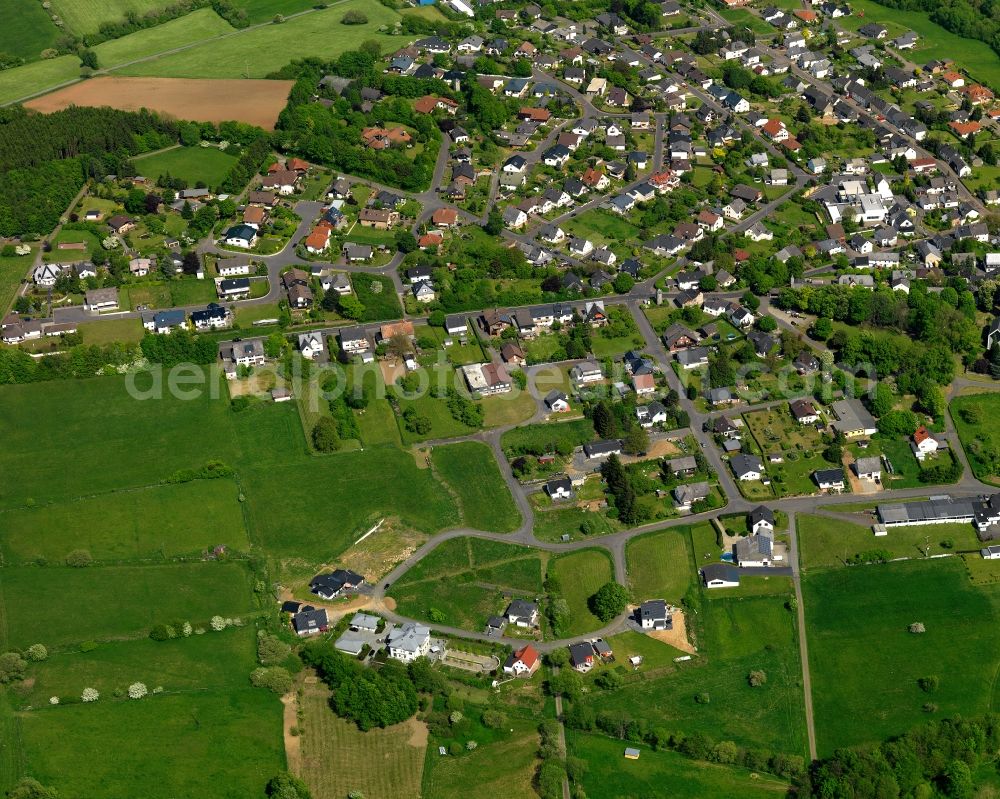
[257,102]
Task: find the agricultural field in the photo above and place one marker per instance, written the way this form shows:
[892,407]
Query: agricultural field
[212,744]
[337,758]
[318,33]
[659,565]
[580,575]
[182,98]
[149,522]
[866,664]
[974,416]
[826,542]
[654,770]
[471,471]
[733,636]
[477,572]
[192,164]
[112,602]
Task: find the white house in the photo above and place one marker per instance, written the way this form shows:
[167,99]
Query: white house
[409,642]
[310,344]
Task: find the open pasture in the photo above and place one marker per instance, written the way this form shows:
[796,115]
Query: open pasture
[153,522]
[114,602]
[865,663]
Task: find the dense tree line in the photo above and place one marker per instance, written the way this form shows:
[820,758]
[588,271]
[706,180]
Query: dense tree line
[181,346]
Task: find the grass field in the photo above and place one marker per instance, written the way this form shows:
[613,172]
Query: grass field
[214,661]
[552,525]
[12,271]
[380,303]
[147,523]
[217,745]
[476,572]
[865,663]
[825,542]
[503,767]
[980,436]
[581,574]
[471,471]
[656,772]
[82,17]
[257,52]
[207,164]
[106,331]
[126,442]
[109,602]
[337,758]
[733,635]
[659,565]
[27,29]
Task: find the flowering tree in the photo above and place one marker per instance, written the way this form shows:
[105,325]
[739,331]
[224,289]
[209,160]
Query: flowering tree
[53,700]
[137,690]
[218,623]
[186,629]
[90,695]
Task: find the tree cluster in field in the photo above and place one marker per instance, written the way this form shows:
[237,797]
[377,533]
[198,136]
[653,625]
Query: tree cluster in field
[179,346]
[81,360]
[609,601]
[370,697]
[551,770]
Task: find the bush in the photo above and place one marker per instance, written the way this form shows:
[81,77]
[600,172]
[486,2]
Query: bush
[137,690]
[917,627]
[757,678]
[271,650]
[494,720]
[79,558]
[325,435]
[89,695]
[37,652]
[929,684]
[160,632]
[275,679]
[455,748]
[354,18]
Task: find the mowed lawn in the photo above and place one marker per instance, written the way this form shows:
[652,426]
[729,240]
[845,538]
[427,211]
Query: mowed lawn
[734,636]
[192,164]
[471,471]
[865,663]
[12,271]
[209,744]
[67,439]
[111,602]
[826,542]
[155,522]
[257,52]
[659,565]
[338,758]
[580,575]
[213,661]
[663,773]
